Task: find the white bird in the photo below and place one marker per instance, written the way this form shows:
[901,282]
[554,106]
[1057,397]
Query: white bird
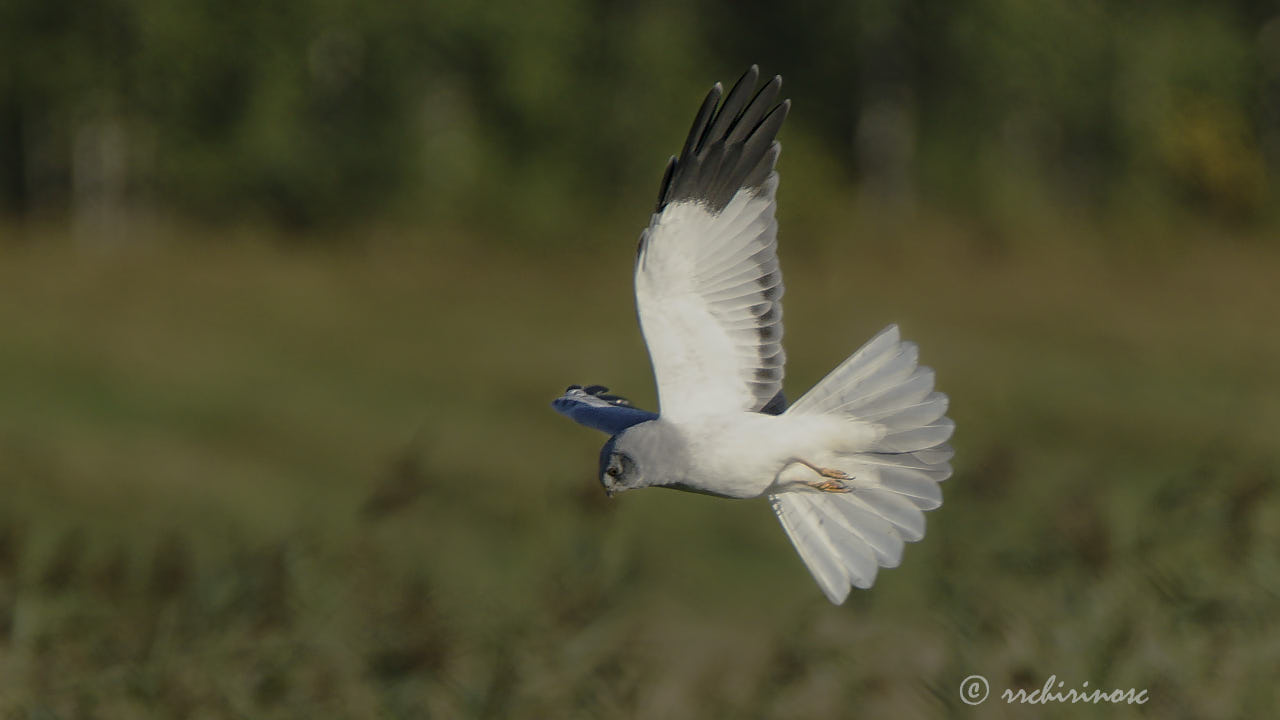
[850,467]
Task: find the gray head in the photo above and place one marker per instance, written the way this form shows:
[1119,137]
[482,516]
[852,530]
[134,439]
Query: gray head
[619,470]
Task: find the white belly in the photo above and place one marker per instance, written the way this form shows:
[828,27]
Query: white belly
[743,455]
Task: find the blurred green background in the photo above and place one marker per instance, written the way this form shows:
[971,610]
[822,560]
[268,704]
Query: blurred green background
[286,289]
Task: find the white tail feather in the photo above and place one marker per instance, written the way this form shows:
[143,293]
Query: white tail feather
[844,537]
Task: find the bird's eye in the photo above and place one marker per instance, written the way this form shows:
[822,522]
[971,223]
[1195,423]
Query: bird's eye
[613,471]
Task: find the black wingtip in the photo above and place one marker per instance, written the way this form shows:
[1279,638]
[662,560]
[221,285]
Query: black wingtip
[666,180]
[702,121]
[730,147]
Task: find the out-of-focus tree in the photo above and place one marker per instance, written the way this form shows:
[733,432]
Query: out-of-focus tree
[306,112]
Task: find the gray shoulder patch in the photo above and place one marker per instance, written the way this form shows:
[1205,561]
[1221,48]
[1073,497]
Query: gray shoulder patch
[728,149]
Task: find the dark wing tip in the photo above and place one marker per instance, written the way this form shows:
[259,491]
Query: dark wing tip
[595,407]
[730,147]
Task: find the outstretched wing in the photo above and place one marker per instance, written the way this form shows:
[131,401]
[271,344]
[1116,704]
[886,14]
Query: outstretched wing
[594,407]
[708,287]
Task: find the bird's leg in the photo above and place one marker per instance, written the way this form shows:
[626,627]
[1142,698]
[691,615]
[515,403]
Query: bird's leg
[835,481]
[826,472]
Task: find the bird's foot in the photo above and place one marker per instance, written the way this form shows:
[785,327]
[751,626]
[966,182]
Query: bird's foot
[831,486]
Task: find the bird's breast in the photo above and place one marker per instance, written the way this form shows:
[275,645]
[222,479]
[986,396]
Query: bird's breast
[735,455]
[743,455]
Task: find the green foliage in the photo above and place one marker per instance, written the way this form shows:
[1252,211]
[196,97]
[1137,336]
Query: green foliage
[314,112]
[248,480]
[253,482]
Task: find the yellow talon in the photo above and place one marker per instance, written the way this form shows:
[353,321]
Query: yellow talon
[830,486]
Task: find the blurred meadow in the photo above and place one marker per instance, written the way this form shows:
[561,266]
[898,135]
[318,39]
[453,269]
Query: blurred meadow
[286,290]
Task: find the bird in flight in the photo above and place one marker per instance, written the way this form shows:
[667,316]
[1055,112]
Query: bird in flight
[848,468]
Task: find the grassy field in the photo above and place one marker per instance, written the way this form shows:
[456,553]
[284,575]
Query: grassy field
[243,480]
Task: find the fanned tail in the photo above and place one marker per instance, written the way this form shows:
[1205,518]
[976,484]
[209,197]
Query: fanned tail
[844,538]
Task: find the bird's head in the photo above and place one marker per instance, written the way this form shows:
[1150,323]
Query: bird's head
[619,470]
